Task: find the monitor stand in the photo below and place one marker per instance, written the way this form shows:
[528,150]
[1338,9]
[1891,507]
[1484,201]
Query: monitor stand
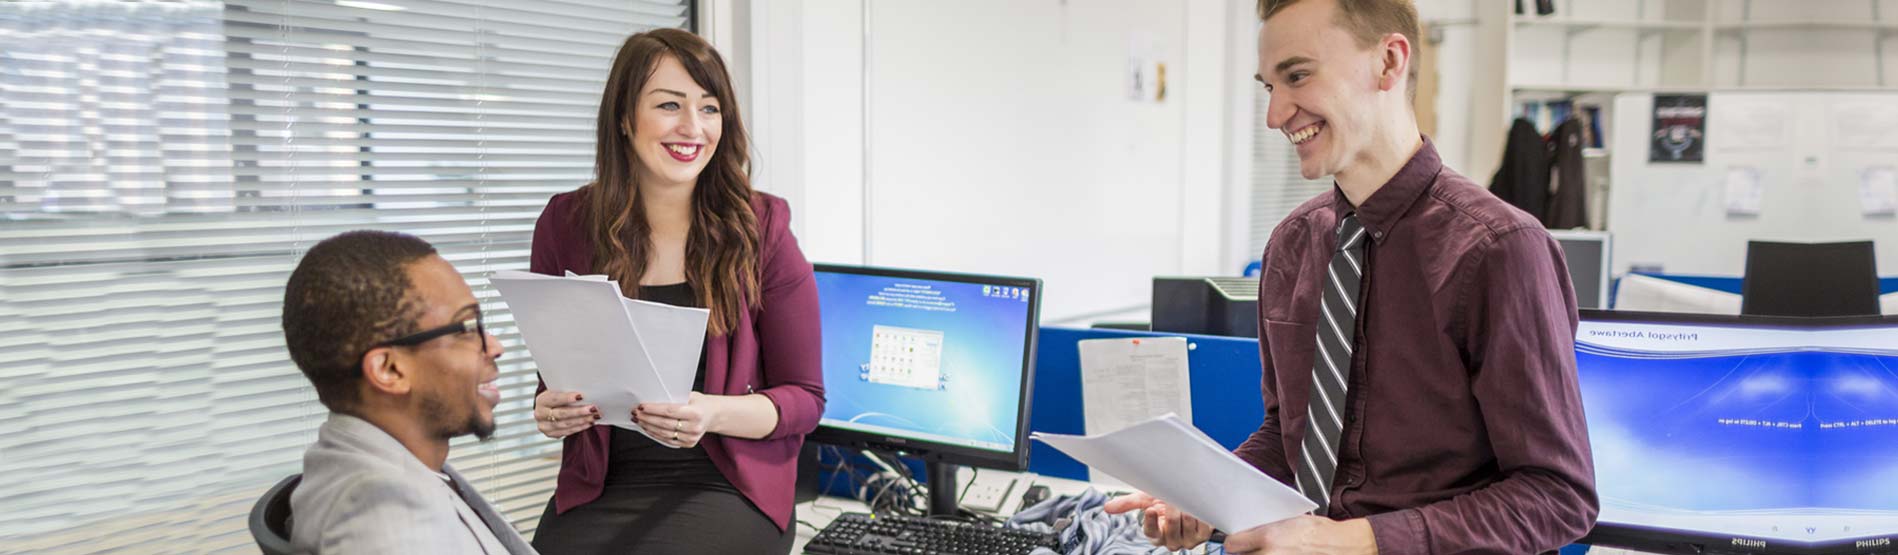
[942,488]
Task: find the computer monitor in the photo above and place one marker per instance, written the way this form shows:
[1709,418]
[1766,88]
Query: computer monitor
[1739,434]
[931,365]
[1588,254]
[1810,279]
[1226,306]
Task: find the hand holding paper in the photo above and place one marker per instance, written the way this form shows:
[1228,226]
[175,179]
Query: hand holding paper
[1181,466]
[615,352]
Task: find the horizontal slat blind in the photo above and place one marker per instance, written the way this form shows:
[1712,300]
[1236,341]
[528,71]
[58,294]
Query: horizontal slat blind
[1277,186]
[162,167]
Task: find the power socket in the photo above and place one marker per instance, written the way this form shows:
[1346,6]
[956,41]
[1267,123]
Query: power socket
[988,492]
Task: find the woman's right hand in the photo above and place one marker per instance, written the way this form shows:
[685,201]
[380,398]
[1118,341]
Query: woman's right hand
[559,414]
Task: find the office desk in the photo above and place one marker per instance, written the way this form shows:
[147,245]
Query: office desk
[819,513]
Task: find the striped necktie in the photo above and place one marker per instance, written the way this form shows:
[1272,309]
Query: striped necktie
[1331,368]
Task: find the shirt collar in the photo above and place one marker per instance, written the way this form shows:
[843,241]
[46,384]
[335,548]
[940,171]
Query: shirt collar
[1380,213]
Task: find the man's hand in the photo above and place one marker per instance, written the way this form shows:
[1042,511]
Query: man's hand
[1306,534]
[1164,525]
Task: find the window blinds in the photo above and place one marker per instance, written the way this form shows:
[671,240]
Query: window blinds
[1277,186]
[162,167]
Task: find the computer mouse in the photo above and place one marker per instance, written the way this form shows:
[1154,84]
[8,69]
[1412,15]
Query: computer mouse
[1035,495]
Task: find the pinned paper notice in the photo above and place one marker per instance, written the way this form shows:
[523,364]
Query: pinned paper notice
[1128,381]
[1745,192]
[1878,191]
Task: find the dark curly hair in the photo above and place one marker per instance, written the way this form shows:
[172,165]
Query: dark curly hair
[349,292]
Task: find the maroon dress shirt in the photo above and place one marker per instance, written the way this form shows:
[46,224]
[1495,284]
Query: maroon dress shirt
[1464,429]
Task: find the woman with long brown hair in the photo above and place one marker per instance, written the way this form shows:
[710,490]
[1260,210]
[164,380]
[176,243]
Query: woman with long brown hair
[672,217]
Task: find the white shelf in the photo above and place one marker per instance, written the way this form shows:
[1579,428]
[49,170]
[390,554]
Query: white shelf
[1743,26]
[1607,23]
[1570,89]
[1577,90]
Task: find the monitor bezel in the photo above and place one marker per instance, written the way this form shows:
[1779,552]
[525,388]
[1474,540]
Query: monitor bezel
[929,451]
[1663,540]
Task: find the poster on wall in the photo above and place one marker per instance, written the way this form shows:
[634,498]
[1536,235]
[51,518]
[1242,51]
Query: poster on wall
[1680,128]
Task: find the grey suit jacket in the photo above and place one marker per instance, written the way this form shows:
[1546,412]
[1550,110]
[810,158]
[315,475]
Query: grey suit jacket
[363,492]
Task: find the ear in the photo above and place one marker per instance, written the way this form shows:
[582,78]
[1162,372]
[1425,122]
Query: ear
[381,371]
[1393,61]
[626,128]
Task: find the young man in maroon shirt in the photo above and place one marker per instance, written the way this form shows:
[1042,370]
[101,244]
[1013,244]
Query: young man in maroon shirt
[1417,333]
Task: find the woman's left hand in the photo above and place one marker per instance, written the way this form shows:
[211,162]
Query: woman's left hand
[675,424]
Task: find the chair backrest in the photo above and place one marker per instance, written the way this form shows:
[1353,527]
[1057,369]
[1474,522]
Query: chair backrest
[1810,279]
[270,517]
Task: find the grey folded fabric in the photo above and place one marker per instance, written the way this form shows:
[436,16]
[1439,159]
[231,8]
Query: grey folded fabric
[1085,529]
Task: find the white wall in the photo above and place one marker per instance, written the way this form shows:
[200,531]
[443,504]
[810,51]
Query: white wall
[1456,80]
[1000,138]
[1675,215]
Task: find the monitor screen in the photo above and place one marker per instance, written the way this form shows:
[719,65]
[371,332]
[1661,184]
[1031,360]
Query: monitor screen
[929,363]
[1750,433]
[1588,254]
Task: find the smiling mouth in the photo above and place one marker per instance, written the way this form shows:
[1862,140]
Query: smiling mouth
[684,152]
[489,392]
[1306,134]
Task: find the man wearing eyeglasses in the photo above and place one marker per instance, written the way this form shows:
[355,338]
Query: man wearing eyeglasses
[392,339]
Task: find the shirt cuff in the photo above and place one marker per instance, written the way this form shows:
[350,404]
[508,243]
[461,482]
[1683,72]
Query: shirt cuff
[1400,533]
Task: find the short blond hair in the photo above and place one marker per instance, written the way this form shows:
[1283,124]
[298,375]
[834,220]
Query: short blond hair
[1368,21]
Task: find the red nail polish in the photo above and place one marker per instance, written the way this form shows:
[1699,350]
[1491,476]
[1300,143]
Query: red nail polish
[577,397]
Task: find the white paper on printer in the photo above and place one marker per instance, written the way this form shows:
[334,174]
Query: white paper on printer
[1127,381]
[583,339]
[1178,464]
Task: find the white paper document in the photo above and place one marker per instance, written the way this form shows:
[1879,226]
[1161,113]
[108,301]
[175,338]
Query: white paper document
[1878,191]
[616,352]
[1178,464]
[1127,381]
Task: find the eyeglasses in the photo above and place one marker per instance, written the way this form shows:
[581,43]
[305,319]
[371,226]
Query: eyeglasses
[475,325]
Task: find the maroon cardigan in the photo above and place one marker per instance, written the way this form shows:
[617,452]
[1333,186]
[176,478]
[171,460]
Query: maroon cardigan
[773,351]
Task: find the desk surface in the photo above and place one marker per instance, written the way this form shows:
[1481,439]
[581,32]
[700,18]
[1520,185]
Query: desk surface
[819,513]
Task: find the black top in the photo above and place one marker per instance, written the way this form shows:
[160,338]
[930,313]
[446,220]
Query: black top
[638,460]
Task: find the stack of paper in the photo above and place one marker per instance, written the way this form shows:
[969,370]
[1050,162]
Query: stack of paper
[617,352]
[1178,464]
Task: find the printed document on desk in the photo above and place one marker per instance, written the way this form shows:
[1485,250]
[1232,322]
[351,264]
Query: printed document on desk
[1178,464]
[616,352]
[1126,381]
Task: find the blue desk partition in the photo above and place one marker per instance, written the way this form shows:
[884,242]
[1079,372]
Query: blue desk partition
[1224,382]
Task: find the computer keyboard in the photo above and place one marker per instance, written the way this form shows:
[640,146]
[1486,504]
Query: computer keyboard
[863,534]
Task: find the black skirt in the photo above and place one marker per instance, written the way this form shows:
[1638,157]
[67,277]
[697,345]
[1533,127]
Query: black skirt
[664,520]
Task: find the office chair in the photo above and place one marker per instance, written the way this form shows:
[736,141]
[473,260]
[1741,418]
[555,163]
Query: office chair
[1810,279]
[270,517]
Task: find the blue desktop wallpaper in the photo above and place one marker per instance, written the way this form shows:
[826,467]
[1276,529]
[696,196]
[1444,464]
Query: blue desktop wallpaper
[983,339]
[1743,433]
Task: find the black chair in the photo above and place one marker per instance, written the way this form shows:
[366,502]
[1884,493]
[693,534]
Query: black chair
[1810,279]
[270,517]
